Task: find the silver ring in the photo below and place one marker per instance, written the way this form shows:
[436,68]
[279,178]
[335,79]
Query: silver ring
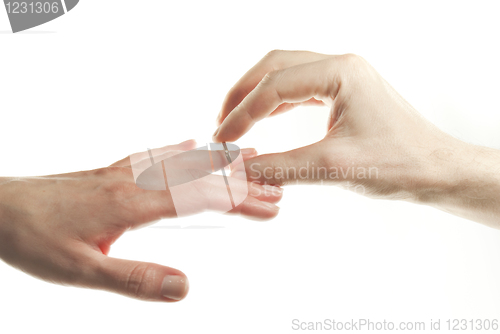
[226,151]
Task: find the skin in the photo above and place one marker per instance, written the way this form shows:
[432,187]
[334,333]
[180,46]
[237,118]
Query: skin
[60,228]
[370,126]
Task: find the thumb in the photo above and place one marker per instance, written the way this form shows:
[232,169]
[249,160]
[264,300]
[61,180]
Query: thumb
[141,280]
[304,165]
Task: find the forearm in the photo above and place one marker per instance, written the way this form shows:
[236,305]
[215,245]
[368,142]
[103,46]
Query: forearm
[467,184]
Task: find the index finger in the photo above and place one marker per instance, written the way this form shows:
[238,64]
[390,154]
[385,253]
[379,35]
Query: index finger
[300,83]
[273,61]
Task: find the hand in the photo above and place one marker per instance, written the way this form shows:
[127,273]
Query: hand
[376,142]
[60,228]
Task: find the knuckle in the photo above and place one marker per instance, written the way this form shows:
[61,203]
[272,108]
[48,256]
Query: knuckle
[272,77]
[360,63]
[270,83]
[353,68]
[138,280]
[351,58]
[273,54]
[352,63]
[269,77]
[102,172]
[112,171]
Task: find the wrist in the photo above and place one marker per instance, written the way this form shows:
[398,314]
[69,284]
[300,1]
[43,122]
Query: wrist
[8,196]
[464,180]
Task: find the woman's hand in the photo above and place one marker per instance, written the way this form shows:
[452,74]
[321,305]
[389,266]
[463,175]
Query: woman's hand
[376,142]
[60,228]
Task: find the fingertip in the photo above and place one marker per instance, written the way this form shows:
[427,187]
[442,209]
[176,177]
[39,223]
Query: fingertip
[214,136]
[227,132]
[272,194]
[248,153]
[188,144]
[269,212]
[255,209]
[175,287]
[139,280]
[271,207]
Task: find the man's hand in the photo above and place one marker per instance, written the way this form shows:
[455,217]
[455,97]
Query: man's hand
[60,228]
[376,142]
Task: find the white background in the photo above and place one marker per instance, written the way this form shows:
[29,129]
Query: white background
[115,77]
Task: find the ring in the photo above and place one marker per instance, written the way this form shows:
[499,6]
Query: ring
[226,151]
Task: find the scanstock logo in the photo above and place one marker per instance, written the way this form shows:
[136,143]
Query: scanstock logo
[26,14]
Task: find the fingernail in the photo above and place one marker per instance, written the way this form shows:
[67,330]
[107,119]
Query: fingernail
[174,287]
[249,151]
[271,206]
[187,143]
[216,132]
